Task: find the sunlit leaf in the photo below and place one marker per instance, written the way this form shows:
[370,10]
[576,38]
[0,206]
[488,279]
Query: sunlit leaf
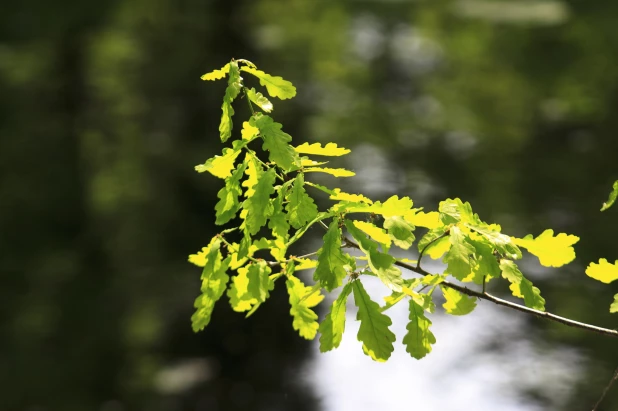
[258,206]
[258,280]
[487,266]
[419,338]
[400,231]
[460,256]
[220,166]
[522,287]
[240,298]
[374,333]
[456,302]
[430,220]
[613,308]
[217,74]
[278,222]
[305,319]
[275,85]
[603,271]
[249,132]
[259,100]
[333,325]
[501,242]
[329,149]
[228,204]
[332,261]
[337,172]
[374,232]
[234,85]
[337,194]
[276,142]
[214,282]
[551,251]
[612,197]
[300,208]
[254,169]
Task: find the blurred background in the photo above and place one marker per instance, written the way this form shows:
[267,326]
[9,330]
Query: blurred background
[511,105]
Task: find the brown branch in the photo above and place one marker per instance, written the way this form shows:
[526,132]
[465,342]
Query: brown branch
[505,303]
[609,385]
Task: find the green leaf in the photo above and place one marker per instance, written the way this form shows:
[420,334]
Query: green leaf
[275,85]
[329,149]
[374,333]
[456,302]
[254,170]
[419,338]
[381,264]
[276,142]
[234,85]
[460,257]
[521,286]
[612,197]
[435,242]
[240,298]
[214,282]
[217,74]
[331,270]
[337,172]
[245,244]
[305,319]
[220,166]
[400,231]
[258,206]
[603,271]
[333,325]
[278,222]
[374,232]
[487,266]
[614,307]
[551,251]
[300,208]
[259,100]
[453,211]
[228,204]
[501,242]
[258,280]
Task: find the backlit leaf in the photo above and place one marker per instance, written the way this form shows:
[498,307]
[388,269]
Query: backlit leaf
[374,333]
[249,132]
[240,297]
[258,206]
[551,251]
[254,169]
[522,287]
[300,208]
[276,142]
[456,302]
[374,232]
[337,172]
[419,338]
[217,74]
[220,166]
[214,282]
[333,325]
[337,194]
[259,100]
[332,261]
[278,222]
[501,242]
[614,307]
[305,319]
[612,197]
[400,231]
[329,149]
[275,85]
[234,85]
[603,271]
[430,220]
[258,280]
[228,204]
[460,256]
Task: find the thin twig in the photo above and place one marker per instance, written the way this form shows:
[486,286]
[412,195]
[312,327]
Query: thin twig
[609,385]
[505,303]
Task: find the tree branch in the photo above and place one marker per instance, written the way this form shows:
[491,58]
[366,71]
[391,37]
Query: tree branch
[505,303]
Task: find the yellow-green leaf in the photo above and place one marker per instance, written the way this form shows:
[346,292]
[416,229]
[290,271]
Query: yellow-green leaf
[419,338]
[332,261]
[228,204]
[456,302]
[217,74]
[305,319]
[603,271]
[329,149]
[522,287]
[374,232]
[337,172]
[333,325]
[249,132]
[551,251]
[234,85]
[612,197]
[300,208]
[276,142]
[400,231]
[337,194]
[613,308]
[220,166]
[258,206]
[460,256]
[374,333]
[430,220]
[275,85]
[259,100]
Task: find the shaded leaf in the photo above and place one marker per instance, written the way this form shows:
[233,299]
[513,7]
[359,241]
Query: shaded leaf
[276,142]
[460,256]
[522,287]
[228,204]
[300,208]
[258,206]
[400,231]
[234,85]
[419,338]
[332,261]
[456,302]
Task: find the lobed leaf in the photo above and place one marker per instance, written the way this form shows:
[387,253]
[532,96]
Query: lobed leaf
[522,287]
[300,208]
[278,222]
[333,325]
[419,338]
[460,256]
[400,231]
[332,261]
[456,302]
[220,166]
[612,197]
[258,207]
[302,299]
[374,333]
[429,220]
[613,308]
[275,85]
[603,271]
[329,149]
[337,172]
[217,74]
[228,204]
[374,232]
[234,85]
[258,280]
[551,251]
[276,142]
[259,100]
